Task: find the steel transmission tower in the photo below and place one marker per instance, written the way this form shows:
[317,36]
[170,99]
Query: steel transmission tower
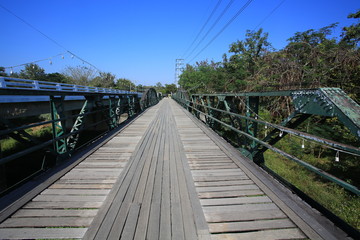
[179,67]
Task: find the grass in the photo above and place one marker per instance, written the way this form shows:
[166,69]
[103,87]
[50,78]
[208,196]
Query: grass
[340,202]
[10,145]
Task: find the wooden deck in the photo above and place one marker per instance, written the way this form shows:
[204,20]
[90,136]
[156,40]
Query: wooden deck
[166,176]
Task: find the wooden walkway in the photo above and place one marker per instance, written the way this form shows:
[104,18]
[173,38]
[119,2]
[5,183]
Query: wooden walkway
[166,176]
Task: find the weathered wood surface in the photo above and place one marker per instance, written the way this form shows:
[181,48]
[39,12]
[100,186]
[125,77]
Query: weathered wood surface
[239,200]
[155,197]
[166,176]
[70,204]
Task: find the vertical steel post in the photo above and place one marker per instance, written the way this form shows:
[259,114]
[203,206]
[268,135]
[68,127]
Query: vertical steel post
[131,106]
[79,124]
[112,113]
[58,124]
[252,110]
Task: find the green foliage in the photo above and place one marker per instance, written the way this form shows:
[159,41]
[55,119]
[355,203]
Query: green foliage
[10,145]
[80,75]
[105,80]
[33,71]
[55,77]
[311,59]
[331,196]
[125,84]
[170,88]
[2,72]
[351,34]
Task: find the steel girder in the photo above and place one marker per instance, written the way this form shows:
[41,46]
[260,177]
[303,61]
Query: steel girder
[331,102]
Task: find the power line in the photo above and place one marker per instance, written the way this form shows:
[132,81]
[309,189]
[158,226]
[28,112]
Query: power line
[203,27]
[212,26]
[47,37]
[264,19]
[223,29]
[34,28]
[41,60]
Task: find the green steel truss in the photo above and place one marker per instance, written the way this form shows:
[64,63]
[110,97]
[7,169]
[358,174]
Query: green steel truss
[240,113]
[98,109]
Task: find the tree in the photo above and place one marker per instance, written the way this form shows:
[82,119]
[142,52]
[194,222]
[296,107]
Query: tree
[140,88]
[33,71]
[105,80]
[248,52]
[125,84]
[2,72]
[203,77]
[56,77]
[80,75]
[351,34]
[170,88]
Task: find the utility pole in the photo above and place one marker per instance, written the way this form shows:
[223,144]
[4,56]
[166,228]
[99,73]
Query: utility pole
[179,67]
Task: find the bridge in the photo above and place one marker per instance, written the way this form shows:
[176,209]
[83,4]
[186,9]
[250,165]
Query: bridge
[163,173]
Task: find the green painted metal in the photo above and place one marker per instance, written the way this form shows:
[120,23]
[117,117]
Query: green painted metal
[252,111]
[149,98]
[324,102]
[58,124]
[113,120]
[79,124]
[287,130]
[131,106]
[99,109]
[332,102]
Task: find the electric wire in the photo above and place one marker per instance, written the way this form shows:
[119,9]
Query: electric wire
[271,13]
[211,28]
[223,29]
[41,60]
[203,27]
[46,36]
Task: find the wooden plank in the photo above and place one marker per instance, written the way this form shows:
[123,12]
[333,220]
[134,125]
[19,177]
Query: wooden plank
[28,191]
[165,217]
[202,229]
[80,186]
[292,233]
[153,230]
[85,181]
[301,214]
[236,209]
[72,198]
[227,194]
[42,233]
[82,192]
[219,178]
[227,188]
[47,222]
[118,225]
[131,222]
[177,227]
[250,226]
[143,220]
[102,223]
[54,213]
[224,183]
[187,211]
[244,216]
[234,201]
[62,205]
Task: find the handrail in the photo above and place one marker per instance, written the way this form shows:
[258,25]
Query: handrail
[25,84]
[331,102]
[99,109]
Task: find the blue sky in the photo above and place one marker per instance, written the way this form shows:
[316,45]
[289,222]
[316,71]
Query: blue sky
[140,40]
